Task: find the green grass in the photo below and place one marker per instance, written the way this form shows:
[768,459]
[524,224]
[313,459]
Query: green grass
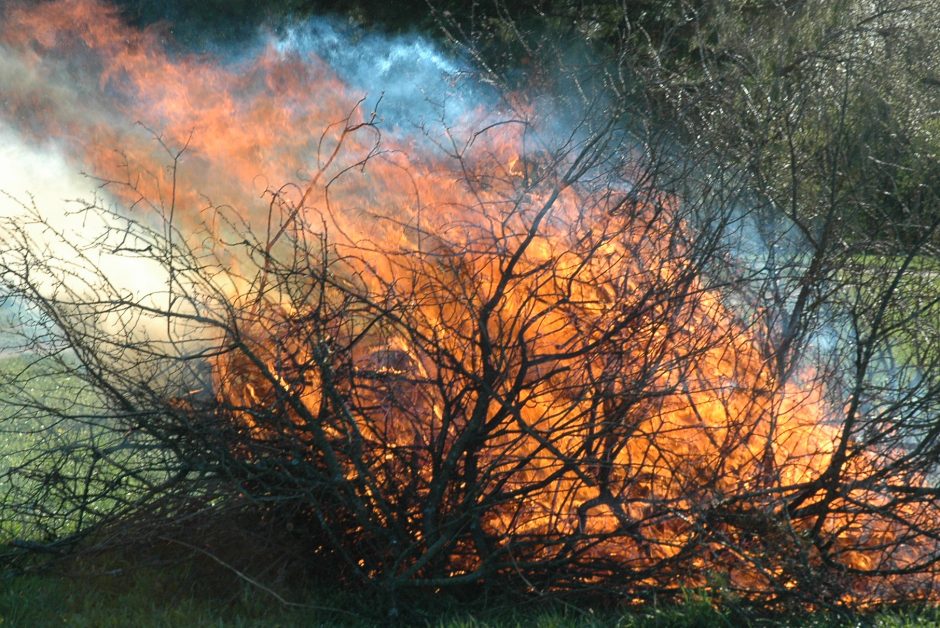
[51,419]
[38,398]
[909,343]
[58,601]
[174,597]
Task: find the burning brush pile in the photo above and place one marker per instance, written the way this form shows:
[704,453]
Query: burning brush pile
[491,348]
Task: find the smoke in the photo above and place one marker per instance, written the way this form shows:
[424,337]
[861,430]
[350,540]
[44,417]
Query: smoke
[164,130]
[83,92]
[419,86]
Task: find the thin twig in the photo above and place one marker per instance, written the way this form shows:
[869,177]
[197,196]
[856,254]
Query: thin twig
[257,584]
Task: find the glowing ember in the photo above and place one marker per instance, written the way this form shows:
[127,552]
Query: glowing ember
[509,361]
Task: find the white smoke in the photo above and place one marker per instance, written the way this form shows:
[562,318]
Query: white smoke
[39,179]
[419,85]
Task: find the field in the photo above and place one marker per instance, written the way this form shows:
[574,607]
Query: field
[170,598]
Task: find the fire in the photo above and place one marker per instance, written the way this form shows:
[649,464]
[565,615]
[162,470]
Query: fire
[476,332]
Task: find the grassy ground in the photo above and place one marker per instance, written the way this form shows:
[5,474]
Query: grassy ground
[150,598]
[158,589]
